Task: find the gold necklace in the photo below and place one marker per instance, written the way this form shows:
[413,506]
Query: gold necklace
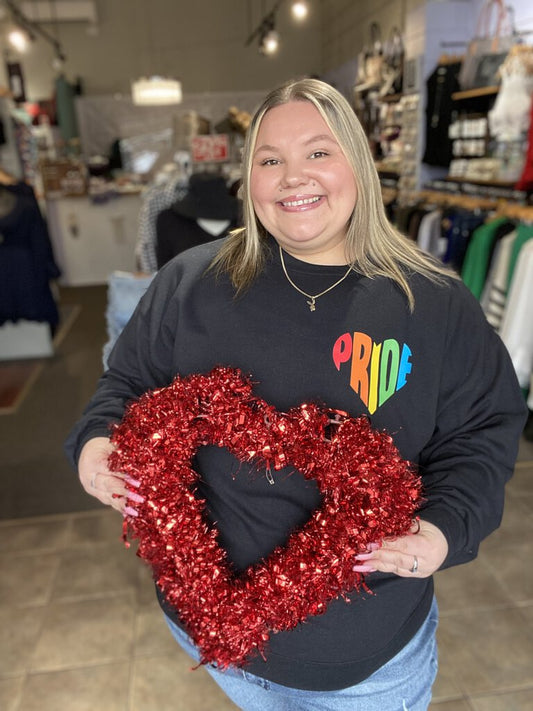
[312,299]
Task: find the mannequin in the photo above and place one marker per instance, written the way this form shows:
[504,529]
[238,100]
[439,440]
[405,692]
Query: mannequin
[205,213]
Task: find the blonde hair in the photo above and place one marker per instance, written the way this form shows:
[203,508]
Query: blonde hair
[373,245]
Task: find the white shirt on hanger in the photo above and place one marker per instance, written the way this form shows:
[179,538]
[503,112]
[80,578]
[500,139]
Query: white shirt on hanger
[517,323]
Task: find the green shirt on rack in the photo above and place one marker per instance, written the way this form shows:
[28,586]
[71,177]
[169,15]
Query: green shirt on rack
[478,253]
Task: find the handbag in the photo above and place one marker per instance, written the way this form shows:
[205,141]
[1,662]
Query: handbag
[371,62]
[487,50]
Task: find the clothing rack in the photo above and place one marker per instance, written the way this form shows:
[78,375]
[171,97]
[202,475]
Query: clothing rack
[524,213]
[468,202]
[500,208]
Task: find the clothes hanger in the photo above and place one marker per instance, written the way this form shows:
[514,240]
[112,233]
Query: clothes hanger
[450,59]
[6,178]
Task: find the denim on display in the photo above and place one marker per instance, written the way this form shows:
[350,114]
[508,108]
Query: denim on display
[403,684]
[124,291]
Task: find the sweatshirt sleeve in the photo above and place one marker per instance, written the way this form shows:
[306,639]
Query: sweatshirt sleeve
[139,361]
[480,417]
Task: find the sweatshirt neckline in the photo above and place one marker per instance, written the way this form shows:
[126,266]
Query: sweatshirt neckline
[300,266]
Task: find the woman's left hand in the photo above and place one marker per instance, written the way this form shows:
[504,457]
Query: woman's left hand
[418,554]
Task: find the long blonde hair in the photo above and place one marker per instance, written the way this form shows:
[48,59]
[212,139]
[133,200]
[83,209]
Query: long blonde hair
[373,245]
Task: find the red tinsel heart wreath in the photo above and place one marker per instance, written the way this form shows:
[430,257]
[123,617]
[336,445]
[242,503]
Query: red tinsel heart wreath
[368,493]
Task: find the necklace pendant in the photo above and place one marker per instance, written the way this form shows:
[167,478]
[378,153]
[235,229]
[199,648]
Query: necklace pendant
[311,304]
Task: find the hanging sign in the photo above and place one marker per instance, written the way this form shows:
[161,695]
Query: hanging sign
[210,148]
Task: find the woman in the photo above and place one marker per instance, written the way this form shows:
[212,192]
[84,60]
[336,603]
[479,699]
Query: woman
[320,299]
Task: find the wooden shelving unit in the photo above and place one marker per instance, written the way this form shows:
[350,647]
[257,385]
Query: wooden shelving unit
[474,93]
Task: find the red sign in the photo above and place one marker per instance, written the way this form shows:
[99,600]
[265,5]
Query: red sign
[208,149]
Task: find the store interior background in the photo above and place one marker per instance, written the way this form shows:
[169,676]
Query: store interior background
[79,626]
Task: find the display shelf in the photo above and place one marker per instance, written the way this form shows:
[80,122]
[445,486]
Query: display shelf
[474,93]
[488,183]
[390,98]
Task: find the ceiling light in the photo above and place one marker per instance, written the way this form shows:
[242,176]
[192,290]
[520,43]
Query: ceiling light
[269,42]
[156,91]
[299,10]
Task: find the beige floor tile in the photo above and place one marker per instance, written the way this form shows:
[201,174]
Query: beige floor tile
[512,701]
[19,632]
[30,579]
[517,523]
[522,479]
[30,536]
[10,693]
[445,686]
[167,683]
[152,636]
[514,570]
[95,570]
[101,688]
[527,612]
[452,705]
[525,450]
[488,650]
[146,587]
[81,633]
[103,526]
[470,586]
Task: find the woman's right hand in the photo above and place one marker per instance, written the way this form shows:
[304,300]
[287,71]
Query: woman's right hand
[99,481]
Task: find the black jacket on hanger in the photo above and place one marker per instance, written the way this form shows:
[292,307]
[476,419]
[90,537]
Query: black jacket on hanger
[176,233]
[442,83]
[27,261]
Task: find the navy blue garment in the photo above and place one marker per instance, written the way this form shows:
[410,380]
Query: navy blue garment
[27,263]
[459,226]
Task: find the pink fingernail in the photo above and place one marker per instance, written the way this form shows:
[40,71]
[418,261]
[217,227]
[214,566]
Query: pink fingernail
[132,481]
[364,569]
[130,512]
[135,497]
[363,556]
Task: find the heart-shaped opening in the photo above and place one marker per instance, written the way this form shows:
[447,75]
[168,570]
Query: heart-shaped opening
[250,506]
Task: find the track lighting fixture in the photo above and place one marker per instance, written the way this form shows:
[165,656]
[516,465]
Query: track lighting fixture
[32,28]
[269,38]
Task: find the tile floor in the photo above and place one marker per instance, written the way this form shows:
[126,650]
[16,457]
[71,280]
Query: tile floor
[80,629]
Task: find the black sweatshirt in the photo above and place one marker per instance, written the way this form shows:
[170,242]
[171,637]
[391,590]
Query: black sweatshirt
[439,380]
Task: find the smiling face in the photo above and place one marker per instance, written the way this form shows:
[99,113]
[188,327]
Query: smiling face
[301,184]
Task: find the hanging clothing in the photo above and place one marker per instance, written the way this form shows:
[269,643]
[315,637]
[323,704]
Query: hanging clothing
[494,296]
[517,323]
[176,233]
[479,251]
[442,83]
[429,236]
[459,226]
[207,212]
[524,232]
[66,109]
[157,197]
[27,263]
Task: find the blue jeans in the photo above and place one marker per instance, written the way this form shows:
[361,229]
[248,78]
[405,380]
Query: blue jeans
[403,684]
